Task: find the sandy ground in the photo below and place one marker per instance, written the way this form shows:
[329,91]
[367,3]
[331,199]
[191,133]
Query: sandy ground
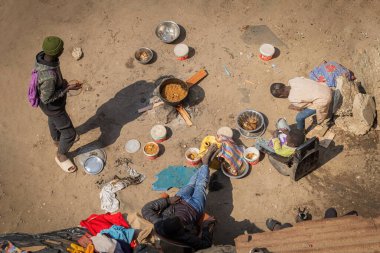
[36,196]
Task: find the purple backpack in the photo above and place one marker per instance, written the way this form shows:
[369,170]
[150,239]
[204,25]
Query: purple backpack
[33,89]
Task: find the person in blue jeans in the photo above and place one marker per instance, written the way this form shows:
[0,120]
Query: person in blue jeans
[306,96]
[176,218]
[302,116]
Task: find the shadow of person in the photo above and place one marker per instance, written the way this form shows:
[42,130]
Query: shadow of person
[327,154]
[111,116]
[220,205]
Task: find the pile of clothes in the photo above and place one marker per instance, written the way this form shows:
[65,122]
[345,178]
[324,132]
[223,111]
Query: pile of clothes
[111,233]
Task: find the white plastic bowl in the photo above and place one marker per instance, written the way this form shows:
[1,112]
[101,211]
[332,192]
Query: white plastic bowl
[253,150]
[267,50]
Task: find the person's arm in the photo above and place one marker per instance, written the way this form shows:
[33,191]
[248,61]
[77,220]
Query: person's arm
[296,108]
[48,92]
[152,210]
[321,115]
[322,106]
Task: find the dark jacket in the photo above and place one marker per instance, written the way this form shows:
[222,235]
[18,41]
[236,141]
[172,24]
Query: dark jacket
[51,86]
[156,211]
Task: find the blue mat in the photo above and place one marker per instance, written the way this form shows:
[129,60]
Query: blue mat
[173,176]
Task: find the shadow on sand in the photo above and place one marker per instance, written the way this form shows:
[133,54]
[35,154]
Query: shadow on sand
[220,205]
[115,113]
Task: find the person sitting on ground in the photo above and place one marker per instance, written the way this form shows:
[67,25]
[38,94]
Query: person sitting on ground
[306,96]
[294,139]
[176,218]
[284,141]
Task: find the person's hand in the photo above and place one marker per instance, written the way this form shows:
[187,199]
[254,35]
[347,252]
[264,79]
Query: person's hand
[174,200]
[74,86]
[209,224]
[292,107]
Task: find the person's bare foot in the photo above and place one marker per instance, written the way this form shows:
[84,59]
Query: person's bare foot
[61,157]
[210,151]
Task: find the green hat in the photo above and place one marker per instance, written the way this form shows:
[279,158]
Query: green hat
[52,45]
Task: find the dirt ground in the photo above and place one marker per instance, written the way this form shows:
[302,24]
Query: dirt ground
[36,196]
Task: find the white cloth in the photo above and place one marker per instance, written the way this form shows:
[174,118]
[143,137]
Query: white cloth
[103,243]
[108,200]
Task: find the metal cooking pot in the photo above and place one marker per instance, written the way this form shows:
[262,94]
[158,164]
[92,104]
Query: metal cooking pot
[260,124]
[169,81]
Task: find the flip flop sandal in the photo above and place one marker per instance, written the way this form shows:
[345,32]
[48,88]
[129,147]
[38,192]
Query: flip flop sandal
[271,223]
[67,166]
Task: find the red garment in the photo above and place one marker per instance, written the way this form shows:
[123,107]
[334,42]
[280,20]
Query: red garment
[97,222]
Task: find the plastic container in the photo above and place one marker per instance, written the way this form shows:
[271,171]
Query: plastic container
[151,155]
[181,51]
[225,131]
[256,155]
[158,133]
[266,52]
[282,124]
[189,160]
[132,146]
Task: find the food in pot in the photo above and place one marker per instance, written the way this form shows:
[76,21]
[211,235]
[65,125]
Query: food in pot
[144,56]
[250,123]
[151,149]
[192,156]
[229,169]
[251,156]
[173,92]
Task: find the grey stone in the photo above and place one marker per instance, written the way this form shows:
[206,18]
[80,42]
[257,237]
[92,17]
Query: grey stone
[363,115]
[364,109]
[348,90]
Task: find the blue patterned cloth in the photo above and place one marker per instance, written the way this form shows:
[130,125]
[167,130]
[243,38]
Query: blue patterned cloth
[328,72]
[173,176]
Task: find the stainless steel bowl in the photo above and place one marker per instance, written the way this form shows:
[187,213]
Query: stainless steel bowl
[140,51]
[167,31]
[93,165]
[241,173]
[260,128]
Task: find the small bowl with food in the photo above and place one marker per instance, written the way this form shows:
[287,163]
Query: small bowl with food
[252,155]
[192,156]
[151,150]
[144,55]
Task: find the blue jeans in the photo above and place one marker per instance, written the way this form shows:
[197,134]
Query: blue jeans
[194,193]
[302,115]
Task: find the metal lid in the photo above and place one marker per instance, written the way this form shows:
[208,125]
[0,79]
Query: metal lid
[93,165]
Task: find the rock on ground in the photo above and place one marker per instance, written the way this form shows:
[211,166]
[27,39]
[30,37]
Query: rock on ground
[363,115]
